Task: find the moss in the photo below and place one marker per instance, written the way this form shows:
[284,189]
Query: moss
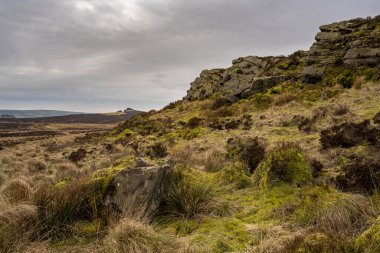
[189,134]
[223,234]
[322,243]
[287,163]
[286,87]
[261,101]
[185,227]
[125,134]
[347,76]
[369,240]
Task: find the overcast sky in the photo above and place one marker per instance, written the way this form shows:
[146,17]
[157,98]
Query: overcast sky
[105,55]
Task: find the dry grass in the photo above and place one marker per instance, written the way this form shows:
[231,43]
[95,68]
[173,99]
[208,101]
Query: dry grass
[214,161]
[341,109]
[344,217]
[17,226]
[132,236]
[283,99]
[359,81]
[17,190]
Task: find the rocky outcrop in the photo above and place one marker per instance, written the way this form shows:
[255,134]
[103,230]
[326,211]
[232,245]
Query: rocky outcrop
[247,75]
[136,187]
[350,43]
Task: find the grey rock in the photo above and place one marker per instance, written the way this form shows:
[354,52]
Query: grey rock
[247,93]
[137,186]
[329,36]
[313,74]
[265,83]
[232,98]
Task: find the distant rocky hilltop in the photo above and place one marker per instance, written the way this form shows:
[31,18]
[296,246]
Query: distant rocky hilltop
[349,45]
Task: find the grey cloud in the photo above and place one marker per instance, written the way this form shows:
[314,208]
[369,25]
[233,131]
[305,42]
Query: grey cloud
[109,54]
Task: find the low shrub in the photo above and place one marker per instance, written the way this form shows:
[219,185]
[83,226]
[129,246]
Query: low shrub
[376,118]
[78,155]
[251,151]
[232,124]
[158,150]
[341,109]
[216,124]
[194,122]
[346,79]
[218,103]
[221,112]
[186,197]
[246,121]
[36,166]
[349,134]
[285,163]
[361,174]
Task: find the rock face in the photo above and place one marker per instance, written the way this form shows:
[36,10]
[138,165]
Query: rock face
[133,187]
[247,75]
[349,43]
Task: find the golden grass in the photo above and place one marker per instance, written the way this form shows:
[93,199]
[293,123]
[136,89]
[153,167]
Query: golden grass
[17,190]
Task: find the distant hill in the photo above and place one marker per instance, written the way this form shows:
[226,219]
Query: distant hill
[87,118]
[36,113]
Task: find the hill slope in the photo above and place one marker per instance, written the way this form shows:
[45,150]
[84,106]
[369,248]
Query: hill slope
[274,154]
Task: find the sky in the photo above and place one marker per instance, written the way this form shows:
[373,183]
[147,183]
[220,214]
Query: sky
[106,55]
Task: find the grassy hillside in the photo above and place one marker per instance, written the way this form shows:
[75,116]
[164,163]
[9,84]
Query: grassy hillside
[265,174]
[288,161]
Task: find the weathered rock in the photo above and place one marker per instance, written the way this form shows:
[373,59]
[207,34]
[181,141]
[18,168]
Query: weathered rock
[206,84]
[313,74]
[265,83]
[354,43]
[137,186]
[349,43]
[246,76]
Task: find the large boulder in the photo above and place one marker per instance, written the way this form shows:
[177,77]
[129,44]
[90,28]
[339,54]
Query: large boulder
[139,186]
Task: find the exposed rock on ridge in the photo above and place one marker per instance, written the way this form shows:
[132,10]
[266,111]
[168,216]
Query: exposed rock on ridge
[349,43]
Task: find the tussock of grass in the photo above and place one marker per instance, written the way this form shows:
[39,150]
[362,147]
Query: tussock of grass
[131,236]
[60,206]
[343,215]
[285,163]
[17,225]
[17,190]
[186,196]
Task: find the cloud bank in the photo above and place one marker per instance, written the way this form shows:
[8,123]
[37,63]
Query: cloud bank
[104,55]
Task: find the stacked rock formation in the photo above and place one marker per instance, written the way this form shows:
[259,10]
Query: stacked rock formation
[349,43]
